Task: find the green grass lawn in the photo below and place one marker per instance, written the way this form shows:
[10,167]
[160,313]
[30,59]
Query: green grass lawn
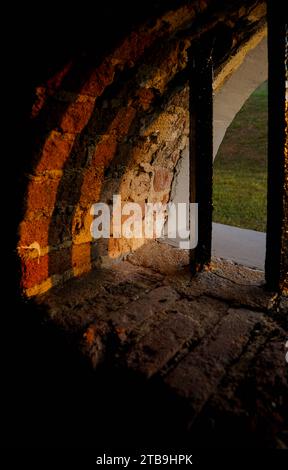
[240,167]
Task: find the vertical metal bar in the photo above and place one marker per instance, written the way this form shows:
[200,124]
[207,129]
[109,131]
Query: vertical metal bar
[201,149]
[276,265]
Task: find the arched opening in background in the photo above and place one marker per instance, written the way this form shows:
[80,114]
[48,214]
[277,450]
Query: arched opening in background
[240,114]
[240,165]
[240,185]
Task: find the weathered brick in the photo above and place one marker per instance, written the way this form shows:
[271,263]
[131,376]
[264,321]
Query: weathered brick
[104,151]
[146,97]
[133,47]
[196,377]
[162,179]
[81,255]
[91,186]
[122,121]
[77,114]
[36,270]
[184,321]
[140,310]
[99,79]
[41,195]
[35,230]
[160,344]
[56,151]
[60,261]
[140,186]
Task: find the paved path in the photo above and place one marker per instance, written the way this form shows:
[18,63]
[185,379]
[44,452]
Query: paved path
[243,246]
[246,247]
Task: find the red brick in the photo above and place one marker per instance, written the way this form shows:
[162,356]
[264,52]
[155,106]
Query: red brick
[60,261]
[133,47]
[77,114]
[42,194]
[40,99]
[34,271]
[55,81]
[122,121]
[162,179]
[34,231]
[104,152]
[91,186]
[99,79]
[146,97]
[56,151]
[81,255]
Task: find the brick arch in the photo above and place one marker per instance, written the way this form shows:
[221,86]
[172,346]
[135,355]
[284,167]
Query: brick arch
[60,115]
[81,131]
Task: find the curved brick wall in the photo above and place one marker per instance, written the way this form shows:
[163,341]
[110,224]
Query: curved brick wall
[118,126]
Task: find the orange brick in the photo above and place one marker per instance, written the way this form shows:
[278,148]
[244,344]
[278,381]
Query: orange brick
[81,255]
[34,231]
[56,151]
[77,114]
[34,271]
[146,97]
[122,121]
[92,186]
[99,79]
[42,194]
